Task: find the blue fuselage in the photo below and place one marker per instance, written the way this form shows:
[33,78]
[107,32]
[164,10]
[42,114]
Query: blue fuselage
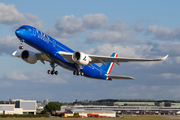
[52,47]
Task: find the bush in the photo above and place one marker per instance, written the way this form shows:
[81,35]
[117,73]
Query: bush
[24,116]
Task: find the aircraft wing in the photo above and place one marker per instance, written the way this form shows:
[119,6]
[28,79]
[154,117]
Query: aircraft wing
[16,55]
[103,59]
[99,59]
[119,77]
[40,56]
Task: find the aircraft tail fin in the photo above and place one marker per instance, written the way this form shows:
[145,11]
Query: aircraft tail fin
[109,65]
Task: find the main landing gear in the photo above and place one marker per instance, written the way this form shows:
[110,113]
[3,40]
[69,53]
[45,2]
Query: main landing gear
[52,72]
[78,73]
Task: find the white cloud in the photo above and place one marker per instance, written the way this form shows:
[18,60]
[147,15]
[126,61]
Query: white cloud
[118,25]
[70,26]
[139,28]
[95,21]
[9,41]
[43,77]
[109,36]
[67,26]
[178,59]
[170,76]
[155,88]
[108,49]
[17,75]
[171,48]
[163,33]
[143,87]
[36,77]
[117,32]
[10,16]
[9,44]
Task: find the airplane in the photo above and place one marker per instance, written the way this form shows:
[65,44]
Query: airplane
[57,54]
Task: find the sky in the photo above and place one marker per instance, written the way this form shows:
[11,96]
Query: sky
[135,29]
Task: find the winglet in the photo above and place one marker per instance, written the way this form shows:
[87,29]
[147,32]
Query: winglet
[165,57]
[161,59]
[15,55]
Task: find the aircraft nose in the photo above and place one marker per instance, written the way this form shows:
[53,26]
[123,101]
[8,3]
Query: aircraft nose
[18,33]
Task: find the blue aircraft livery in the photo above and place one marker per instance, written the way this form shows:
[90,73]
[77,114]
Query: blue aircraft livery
[58,54]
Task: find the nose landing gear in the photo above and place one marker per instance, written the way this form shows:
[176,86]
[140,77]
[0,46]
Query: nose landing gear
[52,72]
[21,46]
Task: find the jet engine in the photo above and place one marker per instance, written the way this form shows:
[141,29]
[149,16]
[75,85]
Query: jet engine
[29,57]
[81,58]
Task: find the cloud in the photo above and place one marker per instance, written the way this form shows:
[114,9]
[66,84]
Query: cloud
[67,26]
[109,36]
[139,28]
[94,21]
[16,75]
[163,33]
[43,77]
[70,26]
[35,77]
[171,48]
[117,32]
[108,49]
[10,16]
[8,44]
[117,25]
[170,76]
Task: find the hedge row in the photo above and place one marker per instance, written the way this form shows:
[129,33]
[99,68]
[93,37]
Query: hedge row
[24,116]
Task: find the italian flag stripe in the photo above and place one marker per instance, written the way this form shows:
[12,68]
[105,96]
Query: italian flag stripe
[110,67]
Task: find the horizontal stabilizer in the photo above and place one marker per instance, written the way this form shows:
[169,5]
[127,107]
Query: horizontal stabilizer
[119,77]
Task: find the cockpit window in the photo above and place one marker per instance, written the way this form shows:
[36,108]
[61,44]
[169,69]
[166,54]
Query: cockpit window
[24,28]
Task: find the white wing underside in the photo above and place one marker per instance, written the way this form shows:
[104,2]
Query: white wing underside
[103,59]
[40,56]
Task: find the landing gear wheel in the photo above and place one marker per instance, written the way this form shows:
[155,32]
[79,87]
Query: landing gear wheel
[49,72]
[78,73]
[20,47]
[53,69]
[52,72]
[74,73]
[56,72]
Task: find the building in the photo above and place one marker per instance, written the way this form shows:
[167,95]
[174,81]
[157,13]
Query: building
[68,114]
[96,112]
[129,106]
[28,106]
[10,109]
[18,106]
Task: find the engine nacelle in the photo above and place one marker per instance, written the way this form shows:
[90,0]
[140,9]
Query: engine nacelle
[80,58]
[29,57]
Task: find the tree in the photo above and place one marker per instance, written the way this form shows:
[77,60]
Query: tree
[52,106]
[76,114]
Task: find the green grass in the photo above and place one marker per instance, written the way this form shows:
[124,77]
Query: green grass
[128,117]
